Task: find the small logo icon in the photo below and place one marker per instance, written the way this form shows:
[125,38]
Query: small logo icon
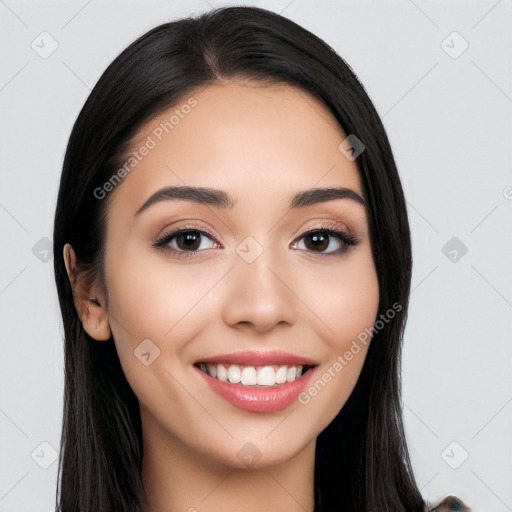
[249,249]
[249,454]
[454,455]
[44,455]
[454,45]
[507,192]
[454,249]
[44,45]
[43,250]
[146,352]
[351,147]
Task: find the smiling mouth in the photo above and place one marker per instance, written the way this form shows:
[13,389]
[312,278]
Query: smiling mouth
[257,376]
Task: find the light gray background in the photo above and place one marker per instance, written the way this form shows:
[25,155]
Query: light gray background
[449,121]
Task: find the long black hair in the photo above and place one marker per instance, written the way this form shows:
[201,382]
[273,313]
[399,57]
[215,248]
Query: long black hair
[362,462]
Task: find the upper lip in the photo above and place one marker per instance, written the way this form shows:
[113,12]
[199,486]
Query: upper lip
[259,358]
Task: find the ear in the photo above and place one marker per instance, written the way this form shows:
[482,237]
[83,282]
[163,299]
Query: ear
[89,299]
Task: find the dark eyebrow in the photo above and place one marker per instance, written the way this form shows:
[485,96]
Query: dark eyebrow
[321,195]
[201,195]
[223,200]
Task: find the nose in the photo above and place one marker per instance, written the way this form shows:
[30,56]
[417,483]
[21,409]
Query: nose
[259,295]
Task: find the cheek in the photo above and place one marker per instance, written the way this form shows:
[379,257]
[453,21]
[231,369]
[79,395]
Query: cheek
[150,298]
[344,296]
[166,304]
[347,300]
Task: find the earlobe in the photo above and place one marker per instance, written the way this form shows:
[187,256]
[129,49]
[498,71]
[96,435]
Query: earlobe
[95,323]
[88,299]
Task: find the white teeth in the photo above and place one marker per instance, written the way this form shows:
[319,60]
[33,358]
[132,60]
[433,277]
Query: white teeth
[212,370]
[266,376]
[234,374]
[291,374]
[248,377]
[281,375]
[222,373]
[253,376]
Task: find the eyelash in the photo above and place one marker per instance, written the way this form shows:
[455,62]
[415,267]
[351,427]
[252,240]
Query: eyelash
[327,229]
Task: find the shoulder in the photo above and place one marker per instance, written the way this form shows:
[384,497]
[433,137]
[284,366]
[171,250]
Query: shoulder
[450,504]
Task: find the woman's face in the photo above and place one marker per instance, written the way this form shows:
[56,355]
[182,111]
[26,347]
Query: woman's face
[244,292]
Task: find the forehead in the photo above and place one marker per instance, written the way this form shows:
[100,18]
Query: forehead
[261,142]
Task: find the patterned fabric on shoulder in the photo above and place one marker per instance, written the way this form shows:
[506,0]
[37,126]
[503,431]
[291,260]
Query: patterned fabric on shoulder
[451,504]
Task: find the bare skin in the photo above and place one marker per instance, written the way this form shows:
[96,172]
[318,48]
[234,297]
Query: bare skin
[261,145]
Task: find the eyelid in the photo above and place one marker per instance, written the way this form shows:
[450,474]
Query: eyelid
[184,223]
[326,224]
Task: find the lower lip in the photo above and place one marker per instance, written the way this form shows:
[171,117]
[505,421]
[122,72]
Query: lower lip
[258,399]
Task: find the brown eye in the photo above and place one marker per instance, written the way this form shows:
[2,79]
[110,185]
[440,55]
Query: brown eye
[188,240]
[185,242]
[319,240]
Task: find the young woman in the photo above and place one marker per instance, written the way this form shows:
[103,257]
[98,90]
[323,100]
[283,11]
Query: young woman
[234,280]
